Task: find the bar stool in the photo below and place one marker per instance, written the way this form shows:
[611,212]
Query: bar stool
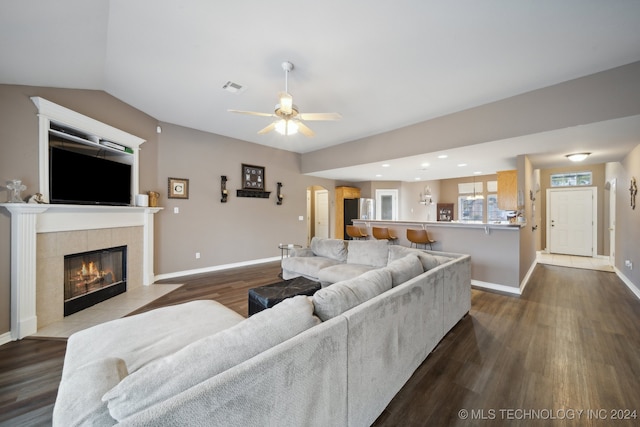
[356,232]
[383,233]
[419,237]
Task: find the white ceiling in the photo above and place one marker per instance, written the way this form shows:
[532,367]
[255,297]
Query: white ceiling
[383,65]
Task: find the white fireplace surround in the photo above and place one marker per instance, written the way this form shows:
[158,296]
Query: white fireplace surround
[27,220]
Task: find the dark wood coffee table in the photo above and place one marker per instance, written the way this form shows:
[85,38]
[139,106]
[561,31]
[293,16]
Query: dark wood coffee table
[269,295]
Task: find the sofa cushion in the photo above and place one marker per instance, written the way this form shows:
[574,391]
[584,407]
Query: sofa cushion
[329,248]
[404,269]
[209,356]
[368,252]
[78,401]
[148,336]
[428,261]
[307,266]
[340,297]
[340,272]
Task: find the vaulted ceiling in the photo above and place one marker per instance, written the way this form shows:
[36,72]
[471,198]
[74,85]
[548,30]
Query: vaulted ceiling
[382,65]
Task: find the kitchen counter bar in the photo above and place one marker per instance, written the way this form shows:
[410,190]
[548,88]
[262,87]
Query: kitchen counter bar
[494,248]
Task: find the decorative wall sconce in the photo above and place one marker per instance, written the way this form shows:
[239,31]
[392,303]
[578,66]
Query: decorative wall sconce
[279,195]
[223,189]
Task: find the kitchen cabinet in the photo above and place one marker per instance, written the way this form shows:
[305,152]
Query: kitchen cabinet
[343,193]
[508,190]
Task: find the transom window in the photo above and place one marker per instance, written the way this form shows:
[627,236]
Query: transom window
[571,179]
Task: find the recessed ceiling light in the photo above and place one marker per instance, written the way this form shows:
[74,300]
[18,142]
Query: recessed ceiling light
[425,165]
[442,156]
[386,165]
[417,178]
[477,172]
[378,176]
[461,165]
[577,157]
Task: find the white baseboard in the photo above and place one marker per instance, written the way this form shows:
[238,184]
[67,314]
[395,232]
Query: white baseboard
[633,288]
[5,338]
[214,268]
[495,287]
[527,276]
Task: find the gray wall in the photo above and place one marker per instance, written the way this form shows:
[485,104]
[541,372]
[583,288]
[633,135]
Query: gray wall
[602,96]
[243,229]
[627,219]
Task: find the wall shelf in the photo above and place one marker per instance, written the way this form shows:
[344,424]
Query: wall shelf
[61,123]
[256,194]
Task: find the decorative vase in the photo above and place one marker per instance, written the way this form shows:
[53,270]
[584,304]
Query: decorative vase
[16,186]
[153,198]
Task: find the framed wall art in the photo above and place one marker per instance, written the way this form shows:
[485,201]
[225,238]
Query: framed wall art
[252,177]
[178,188]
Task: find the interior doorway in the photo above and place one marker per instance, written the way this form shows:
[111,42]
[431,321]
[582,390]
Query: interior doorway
[317,212]
[571,221]
[612,222]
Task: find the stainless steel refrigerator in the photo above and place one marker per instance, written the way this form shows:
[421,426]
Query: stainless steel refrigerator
[358,209]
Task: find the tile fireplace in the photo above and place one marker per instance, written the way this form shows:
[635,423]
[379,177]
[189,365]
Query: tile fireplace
[94,276]
[41,235]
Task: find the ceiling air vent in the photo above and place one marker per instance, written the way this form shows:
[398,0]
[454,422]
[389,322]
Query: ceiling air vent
[233,87]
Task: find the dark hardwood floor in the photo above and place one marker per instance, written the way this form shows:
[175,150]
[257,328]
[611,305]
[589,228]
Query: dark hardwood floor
[567,352]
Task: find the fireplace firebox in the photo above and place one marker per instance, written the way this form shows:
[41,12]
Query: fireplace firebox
[93,277]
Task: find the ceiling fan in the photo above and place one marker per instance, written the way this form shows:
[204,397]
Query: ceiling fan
[289,119]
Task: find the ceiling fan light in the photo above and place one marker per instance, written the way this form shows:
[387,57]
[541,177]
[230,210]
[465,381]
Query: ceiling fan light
[286,127]
[286,103]
[577,157]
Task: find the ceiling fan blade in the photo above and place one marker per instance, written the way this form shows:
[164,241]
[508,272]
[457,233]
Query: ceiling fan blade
[267,129]
[304,129]
[320,116]
[253,113]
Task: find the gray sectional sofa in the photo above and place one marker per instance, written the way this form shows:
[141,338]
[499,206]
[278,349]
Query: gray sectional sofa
[336,358]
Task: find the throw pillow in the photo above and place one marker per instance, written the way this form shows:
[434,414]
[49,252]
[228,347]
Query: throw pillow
[442,259]
[428,261]
[209,356]
[368,252]
[329,248]
[404,269]
[334,300]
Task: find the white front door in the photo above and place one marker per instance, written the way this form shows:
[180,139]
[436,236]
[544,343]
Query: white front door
[322,214]
[571,221]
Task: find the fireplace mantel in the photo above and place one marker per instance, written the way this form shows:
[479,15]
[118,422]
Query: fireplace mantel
[28,219]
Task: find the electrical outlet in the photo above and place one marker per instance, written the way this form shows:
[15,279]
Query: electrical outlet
[197,255]
[176,210]
[301,218]
[628,264]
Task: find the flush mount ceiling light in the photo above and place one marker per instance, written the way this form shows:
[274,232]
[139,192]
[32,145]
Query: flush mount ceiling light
[577,157]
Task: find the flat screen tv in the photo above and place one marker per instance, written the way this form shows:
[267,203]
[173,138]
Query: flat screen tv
[76,178]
